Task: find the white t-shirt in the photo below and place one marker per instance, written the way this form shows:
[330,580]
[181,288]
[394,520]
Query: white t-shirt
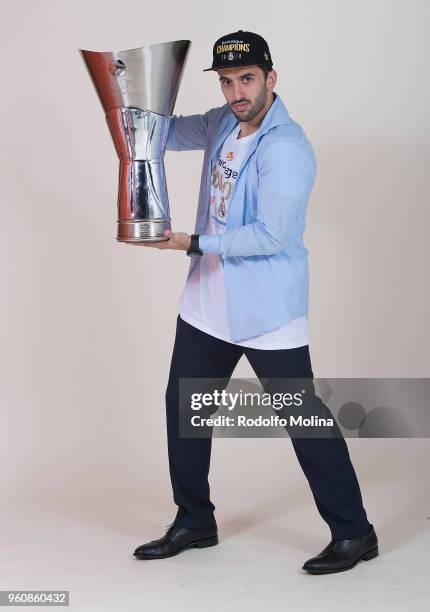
[202,302]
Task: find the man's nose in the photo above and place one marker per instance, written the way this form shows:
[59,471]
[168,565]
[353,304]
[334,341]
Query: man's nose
[238,92]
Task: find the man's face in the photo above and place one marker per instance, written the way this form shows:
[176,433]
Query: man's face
[245,90]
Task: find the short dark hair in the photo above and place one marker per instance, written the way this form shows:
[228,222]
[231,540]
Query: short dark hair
[266,71]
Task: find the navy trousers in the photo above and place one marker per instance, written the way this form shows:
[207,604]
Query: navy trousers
[325,461]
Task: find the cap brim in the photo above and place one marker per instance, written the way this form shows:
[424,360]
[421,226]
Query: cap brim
[237,66]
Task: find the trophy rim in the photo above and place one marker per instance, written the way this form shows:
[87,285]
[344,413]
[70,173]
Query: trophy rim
[168,42]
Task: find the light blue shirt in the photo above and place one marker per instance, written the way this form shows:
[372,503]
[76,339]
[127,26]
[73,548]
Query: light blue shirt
[265,261]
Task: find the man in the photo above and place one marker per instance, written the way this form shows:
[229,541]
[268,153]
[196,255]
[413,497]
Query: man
[247,293]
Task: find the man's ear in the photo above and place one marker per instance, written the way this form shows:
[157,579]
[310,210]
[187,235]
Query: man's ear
[271,77]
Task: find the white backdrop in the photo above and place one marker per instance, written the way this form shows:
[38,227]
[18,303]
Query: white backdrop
[87,324]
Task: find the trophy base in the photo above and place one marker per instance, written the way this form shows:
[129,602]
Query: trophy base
[142,230]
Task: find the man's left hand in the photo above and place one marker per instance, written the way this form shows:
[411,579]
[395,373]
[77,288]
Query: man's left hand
[179,241]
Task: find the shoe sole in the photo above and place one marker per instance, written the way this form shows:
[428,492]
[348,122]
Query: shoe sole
[212,541]
[371,554]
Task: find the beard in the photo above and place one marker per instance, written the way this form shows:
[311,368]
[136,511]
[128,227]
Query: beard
[253,110]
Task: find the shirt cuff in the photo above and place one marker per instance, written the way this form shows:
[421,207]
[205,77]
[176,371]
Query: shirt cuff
[210,243]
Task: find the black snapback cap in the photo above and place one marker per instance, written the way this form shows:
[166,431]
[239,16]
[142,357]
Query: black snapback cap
[240,49]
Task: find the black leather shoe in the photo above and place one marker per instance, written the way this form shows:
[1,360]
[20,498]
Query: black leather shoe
[341,555]
[175,540]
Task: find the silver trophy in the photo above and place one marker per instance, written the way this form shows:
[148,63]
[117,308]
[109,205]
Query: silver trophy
[138,90]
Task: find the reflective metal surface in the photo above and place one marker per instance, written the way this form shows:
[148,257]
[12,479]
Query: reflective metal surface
[138,89]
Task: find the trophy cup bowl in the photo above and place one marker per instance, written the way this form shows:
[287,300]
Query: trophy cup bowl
[137,89]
